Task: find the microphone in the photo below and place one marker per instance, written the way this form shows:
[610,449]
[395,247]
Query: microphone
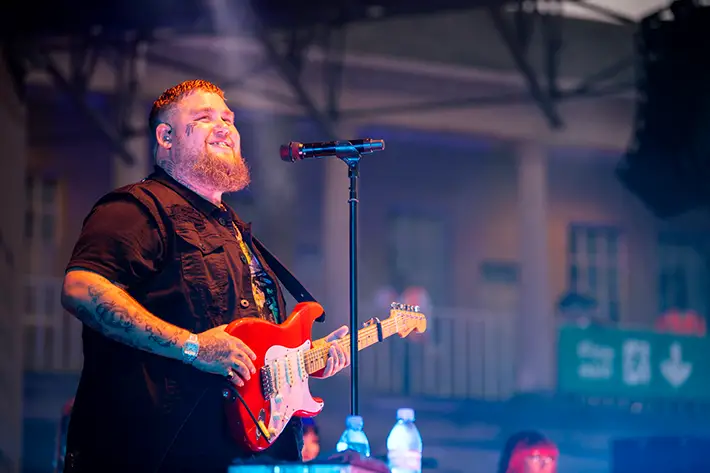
[295,151]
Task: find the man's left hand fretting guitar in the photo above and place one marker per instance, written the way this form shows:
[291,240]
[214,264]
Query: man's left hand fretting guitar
[258,412]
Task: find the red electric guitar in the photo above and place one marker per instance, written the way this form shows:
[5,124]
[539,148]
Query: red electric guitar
[258,411]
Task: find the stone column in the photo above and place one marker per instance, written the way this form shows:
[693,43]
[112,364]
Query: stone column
[274,185]
[13,135]
[536,325]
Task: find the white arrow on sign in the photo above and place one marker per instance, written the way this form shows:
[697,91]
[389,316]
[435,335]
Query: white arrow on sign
[674,369]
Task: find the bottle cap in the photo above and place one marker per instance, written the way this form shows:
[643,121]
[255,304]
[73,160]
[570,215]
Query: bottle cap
[405,413]
[354,422]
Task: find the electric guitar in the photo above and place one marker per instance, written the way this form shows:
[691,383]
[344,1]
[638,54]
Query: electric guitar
[258,412]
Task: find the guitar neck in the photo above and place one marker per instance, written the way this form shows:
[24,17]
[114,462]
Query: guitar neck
[316,358]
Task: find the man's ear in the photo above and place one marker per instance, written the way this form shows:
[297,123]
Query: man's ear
[163,135]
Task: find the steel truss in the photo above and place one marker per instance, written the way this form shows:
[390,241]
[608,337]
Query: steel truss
[127,52]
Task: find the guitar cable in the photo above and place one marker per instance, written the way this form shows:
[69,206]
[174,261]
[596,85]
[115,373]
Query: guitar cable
[260,425]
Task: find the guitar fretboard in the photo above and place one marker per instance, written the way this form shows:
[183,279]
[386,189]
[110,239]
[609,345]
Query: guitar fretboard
[315,358]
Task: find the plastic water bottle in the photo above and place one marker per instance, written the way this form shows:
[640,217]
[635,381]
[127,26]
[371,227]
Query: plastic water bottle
[404,444]
[354,437]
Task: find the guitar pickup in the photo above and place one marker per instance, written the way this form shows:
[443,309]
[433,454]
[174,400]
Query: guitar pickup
[267,382]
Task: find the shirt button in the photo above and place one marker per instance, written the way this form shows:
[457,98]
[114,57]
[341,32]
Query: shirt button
[221,221]
[243,258]
[244,303]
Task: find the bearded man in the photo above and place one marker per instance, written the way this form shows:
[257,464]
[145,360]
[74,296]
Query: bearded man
[161,266]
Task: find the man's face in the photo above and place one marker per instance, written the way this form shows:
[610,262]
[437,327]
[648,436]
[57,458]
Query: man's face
[207,146]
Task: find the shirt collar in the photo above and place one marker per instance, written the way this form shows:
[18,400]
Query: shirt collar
[197,201]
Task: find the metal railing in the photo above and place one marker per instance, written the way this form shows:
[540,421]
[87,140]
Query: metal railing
[464,354]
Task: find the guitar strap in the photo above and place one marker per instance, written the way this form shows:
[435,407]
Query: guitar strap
[289,281]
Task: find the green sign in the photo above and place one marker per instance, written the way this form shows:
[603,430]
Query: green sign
[636,364]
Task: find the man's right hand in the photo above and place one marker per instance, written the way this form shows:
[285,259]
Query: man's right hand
[223,354]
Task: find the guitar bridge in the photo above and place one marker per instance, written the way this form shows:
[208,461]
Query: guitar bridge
[267,383]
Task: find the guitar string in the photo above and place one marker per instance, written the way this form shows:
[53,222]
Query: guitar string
[315,357]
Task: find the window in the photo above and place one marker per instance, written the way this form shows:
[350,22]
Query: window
[418,252]
[42,210]
[682,274]
[595,268]
[42,223]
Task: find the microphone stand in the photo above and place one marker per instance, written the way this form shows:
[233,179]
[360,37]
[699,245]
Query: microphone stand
[351,156]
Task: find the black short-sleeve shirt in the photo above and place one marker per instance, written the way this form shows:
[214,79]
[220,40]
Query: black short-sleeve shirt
[177,254]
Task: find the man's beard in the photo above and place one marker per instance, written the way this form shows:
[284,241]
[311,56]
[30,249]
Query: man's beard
[209,171]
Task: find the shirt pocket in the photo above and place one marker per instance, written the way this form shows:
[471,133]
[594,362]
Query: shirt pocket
[205,274]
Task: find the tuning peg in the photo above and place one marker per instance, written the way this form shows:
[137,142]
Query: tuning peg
[417,308]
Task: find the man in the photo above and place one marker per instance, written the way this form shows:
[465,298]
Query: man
[159,268]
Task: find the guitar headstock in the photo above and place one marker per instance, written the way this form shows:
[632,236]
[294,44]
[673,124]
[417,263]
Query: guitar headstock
[408,318]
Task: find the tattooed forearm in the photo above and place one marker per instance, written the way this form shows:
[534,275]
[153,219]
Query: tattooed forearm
[112,312]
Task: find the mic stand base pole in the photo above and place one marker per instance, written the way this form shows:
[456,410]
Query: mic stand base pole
[352,159]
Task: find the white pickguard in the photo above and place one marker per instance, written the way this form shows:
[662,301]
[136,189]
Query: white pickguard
[290,381]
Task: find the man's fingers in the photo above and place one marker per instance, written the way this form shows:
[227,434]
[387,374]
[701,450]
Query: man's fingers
[244,358]
[250,354]
[241,369]
[341,332]
[328,371]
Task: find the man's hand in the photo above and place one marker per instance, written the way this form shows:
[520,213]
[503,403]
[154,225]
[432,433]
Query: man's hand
[223,354]
[338,357]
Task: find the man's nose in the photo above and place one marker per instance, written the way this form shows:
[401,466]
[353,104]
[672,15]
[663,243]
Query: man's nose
[222,129]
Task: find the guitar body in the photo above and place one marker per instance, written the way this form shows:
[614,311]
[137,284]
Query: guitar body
[279,389]
[285,360]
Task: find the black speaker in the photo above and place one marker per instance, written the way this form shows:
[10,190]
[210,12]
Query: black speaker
[667,164]
[660,455]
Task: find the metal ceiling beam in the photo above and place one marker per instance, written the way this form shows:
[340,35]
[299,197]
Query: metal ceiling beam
[607,12]
[222,81]
[110,132]
[333,68]
[543,100]
[292,78]
[326,118]
[511,98]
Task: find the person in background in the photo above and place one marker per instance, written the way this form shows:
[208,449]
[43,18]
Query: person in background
[528,452]
[311,440]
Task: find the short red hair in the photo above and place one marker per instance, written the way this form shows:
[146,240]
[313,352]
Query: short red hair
[172,97]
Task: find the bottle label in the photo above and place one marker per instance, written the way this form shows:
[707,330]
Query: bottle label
[405,459]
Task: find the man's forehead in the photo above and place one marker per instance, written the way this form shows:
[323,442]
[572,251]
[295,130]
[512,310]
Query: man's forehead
[201,99]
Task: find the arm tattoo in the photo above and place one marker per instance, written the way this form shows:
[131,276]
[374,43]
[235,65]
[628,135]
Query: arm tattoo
[115,314]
